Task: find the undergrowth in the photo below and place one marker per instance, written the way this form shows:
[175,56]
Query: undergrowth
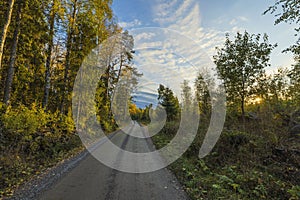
[247,163]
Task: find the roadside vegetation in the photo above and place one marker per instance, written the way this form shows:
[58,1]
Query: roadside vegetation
[258,153]
[44,43]
[42,46]
[32,141]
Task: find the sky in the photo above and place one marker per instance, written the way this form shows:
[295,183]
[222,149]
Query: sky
[175,39]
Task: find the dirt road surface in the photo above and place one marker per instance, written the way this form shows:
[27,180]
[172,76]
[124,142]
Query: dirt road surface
[93,180]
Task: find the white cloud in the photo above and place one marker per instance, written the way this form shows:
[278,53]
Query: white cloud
[243,19]
[168,12]
[177,53]
[144,36]
[127,25]
[233,22]
[238,20]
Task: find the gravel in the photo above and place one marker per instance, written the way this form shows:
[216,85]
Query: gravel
[31,189]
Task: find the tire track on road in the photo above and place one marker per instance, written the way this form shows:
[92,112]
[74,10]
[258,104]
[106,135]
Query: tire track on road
[114,172]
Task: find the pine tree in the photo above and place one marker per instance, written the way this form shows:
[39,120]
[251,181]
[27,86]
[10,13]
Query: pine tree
[169,102]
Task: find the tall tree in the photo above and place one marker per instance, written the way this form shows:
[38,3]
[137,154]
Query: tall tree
[170,102]
[51,21]
[11,67]
[240,62]
[186,95]
[24,71]
[88,24]
[122,94]
[203,83]
[116,56]
[74,6]
[5,28]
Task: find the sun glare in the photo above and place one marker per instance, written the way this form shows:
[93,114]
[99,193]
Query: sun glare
[257,100]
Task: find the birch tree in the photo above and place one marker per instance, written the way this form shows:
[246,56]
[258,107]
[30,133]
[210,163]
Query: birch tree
[5,28]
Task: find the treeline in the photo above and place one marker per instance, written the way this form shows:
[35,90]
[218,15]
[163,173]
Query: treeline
[43,43]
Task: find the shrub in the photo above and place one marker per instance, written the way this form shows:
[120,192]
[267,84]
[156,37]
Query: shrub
[24,121]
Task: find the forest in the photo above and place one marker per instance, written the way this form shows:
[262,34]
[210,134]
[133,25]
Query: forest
[43,43]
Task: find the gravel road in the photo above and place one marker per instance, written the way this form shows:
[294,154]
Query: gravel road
[89,179]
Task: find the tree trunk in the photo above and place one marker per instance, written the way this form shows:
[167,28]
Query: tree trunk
[5,29]
[243,100]
[117,81]
[243,112]
[49,55]
[120,68]
[107,82]
[68,56]
[243,108]
[13,55]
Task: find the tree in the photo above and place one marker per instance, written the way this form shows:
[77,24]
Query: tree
[11,67]
[134,111]
[186,95]
[121,97]
[72,19]
[169,102]
[294,75]
[115,57]
[5,28]
[36,48]
[273,90]
[278,85]
[289,12]
[24,67]
[54,9]
[88,24]
[240,62]
[203,82]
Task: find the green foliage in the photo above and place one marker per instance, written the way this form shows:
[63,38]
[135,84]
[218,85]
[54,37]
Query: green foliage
[203,83]
[294,192]
[169,102]
[186,96]
[240,62]
[256,159]
[287,11]
[32,139]
[244,164]
[144,115]
[24,121]
[235,170]
[294,75]
[55,37]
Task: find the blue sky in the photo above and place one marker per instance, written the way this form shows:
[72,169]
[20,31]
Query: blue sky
[203,21]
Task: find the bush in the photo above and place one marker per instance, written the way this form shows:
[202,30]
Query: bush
[33,140]
[24,121]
